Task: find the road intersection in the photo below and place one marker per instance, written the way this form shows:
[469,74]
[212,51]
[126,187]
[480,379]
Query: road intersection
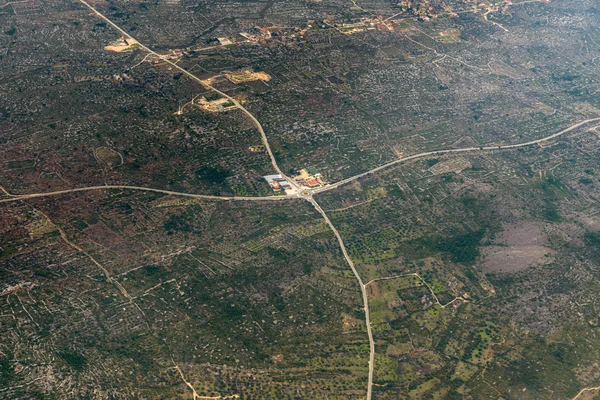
[302,193]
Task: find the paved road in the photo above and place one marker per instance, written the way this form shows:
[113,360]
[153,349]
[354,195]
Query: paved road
[196,196]
[363,290]
[448,151]
[307,195]
[204,84]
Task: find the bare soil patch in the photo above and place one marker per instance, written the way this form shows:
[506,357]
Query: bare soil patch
[519,247]
[524,234]
[123,44]
[108,157]
[514,258]
[374,290]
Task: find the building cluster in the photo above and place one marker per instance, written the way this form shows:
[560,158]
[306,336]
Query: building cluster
[114,77]
[258,34]
[218,105]
[309,177]
[279,184]
[364,24]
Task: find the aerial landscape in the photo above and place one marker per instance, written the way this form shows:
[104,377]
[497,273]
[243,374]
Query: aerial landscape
[300,199]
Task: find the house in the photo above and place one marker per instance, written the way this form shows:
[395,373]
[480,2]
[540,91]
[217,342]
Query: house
[224,41]
[277,183]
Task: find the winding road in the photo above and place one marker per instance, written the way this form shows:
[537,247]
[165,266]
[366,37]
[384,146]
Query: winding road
[306,194]
[198,80]
[450,151]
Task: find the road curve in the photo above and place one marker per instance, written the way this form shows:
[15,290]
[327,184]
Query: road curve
[255,121]
[448,151]
[15,197]
[278,170]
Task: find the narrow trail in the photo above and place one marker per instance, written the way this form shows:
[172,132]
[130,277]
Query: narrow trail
[424,282]
[582,391]
[198,80]
[308,195]
[196,395]
[304,194]
[107,275]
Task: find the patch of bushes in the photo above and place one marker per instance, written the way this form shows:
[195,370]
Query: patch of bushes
[460,248]
[75,360]
[216,175]
[177,223]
